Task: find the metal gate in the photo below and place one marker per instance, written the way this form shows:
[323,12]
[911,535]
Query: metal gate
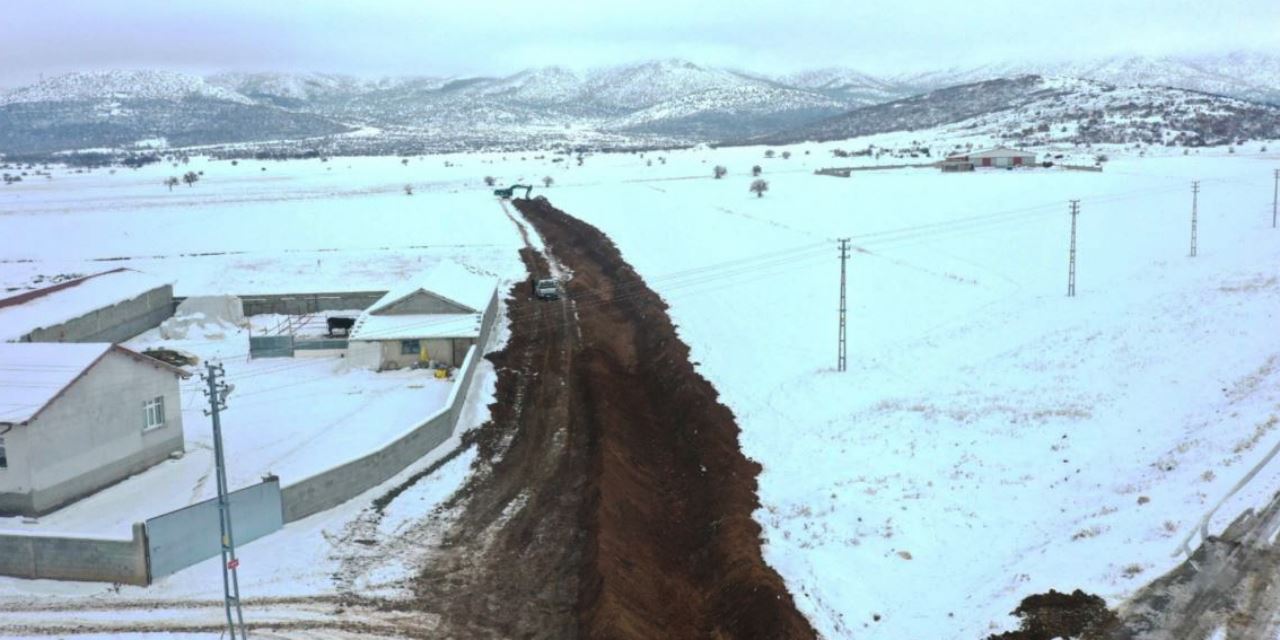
[179,539]
[271,346]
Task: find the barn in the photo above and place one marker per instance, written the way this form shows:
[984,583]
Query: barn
[77,417]
[999,157]
[433,318]
[111,306]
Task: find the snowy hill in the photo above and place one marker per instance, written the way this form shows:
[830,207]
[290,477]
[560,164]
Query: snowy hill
[1037,110]
[849,84]
[729,112]
[1247,75]
[296,89]
[138,108]
[653,103]
[121,85]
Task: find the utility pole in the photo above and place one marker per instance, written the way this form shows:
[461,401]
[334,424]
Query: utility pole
[1071,260]
[1195,196]
[1275,198]
[841,358]
[217,392]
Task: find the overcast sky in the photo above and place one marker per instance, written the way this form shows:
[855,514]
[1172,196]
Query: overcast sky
[430,37]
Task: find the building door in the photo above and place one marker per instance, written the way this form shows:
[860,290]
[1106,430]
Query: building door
[986,162]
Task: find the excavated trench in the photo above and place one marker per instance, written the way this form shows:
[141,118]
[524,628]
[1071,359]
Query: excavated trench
[610,498]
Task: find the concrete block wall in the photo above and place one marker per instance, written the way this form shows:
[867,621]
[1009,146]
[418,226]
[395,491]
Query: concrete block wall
[339,484]
[307,303]
[74,558]
[334,486]
[116,323]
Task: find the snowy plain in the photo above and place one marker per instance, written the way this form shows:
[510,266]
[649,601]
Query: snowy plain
[991,439]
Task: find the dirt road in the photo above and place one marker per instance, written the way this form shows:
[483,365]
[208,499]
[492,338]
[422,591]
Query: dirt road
[608,498]
[613,501]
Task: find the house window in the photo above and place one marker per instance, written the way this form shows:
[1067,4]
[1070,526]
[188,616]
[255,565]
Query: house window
[153,414]
[4,457]
[409,348]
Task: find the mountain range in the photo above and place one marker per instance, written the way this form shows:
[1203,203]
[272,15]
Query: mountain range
[654,103]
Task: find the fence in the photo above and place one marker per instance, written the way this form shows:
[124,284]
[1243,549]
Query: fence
[168,543]
[270,346]
[75,557]
[298,304]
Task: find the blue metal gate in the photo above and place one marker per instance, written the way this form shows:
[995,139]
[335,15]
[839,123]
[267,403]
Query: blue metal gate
[179,539]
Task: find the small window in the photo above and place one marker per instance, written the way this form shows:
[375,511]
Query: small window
[4,457]
[409,348]
[153,414]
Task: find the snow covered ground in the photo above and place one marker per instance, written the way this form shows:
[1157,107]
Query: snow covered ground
[991,438]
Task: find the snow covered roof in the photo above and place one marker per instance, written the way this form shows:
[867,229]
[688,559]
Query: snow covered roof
[448,280]
[416,326]
[23,313]
[1001,152]
[33,374]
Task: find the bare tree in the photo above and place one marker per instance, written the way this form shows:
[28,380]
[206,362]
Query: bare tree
[171,182]
[758,187]
[719,171]
[786,155]
[404,161]
[490,180]
[755,171]
[770,153]
[408,189]
[190,178]
[547,181]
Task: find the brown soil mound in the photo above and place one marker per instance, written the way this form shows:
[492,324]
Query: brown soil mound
[671,549]
[1060,615]
[609,498]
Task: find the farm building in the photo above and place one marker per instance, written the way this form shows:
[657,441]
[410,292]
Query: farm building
[75,418]
[112,306]
[999,157]
[433,318]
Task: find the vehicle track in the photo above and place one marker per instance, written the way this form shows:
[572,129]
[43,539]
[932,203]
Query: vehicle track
[671,549]
[608,497]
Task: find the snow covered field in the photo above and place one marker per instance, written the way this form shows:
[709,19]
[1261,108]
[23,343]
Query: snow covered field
[991,438]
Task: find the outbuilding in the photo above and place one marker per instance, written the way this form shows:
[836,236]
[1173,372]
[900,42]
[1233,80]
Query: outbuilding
[999,157]
[433,318]
[77,417]
[112,306]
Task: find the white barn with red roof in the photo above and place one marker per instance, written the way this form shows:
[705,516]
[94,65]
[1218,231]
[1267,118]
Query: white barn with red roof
[77,417]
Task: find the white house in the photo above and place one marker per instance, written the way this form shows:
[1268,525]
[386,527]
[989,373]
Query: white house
[76,417]
[999,157]
[435,317]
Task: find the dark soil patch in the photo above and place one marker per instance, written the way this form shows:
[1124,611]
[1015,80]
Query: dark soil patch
[1059,615]
[671,548]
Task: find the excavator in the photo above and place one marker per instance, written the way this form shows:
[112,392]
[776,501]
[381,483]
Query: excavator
[509,192]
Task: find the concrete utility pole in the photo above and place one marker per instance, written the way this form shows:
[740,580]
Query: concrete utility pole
[1071,260]
[841,358]
[217,393]
[1195,196]
[1275,198]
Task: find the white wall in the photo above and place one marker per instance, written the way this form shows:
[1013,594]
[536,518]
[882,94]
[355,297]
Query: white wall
[93,435]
